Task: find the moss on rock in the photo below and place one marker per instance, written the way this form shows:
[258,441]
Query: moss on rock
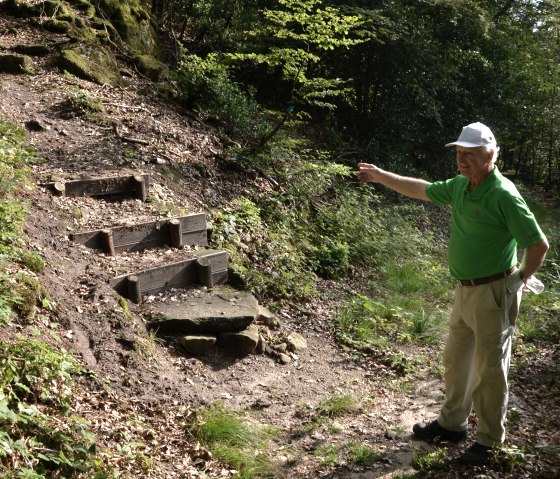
[151,67]
[57,26]
[132,22]
[86,34]
[83,6]
[18,8]
[105,26]
[53,8]
[32,50]
[93,63]
[16,64]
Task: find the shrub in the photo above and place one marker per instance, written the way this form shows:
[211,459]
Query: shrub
[330,258]
[204,84]
[264,256]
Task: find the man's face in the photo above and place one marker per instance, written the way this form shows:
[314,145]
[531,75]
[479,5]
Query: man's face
[473,162]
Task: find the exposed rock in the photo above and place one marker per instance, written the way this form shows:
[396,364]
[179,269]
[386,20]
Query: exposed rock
[268,318]
[226,312]
[261,403]
[32,50]
[261,346]
[242,342]
[296,342]
[284,358]
[197,344]
[151,67]
[93,63]
[132,22]
[15,64]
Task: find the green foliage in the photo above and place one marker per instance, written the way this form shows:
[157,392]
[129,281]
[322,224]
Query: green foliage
[10,134]
[234,440]
[204,84]
[32,369]
[35,379]
[294,35]
[375,232]
[12,213]
[32,261]
[40,446]
[511,457]
[538,316]
[216,25]
[263,257]
[37,443]
[27,292]
[19,292]
[330,258]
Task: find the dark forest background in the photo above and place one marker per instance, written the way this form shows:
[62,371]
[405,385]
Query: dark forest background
[382,81]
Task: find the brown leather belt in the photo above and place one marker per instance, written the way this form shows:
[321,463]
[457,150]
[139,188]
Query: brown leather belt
[486,279]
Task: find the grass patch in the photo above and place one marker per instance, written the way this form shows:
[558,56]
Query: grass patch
[235,441]
[428,460]
[375,327]
[328,454]
[363,455]
[337,405]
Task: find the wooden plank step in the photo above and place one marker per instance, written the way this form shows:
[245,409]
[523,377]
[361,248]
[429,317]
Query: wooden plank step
[132,185]
[206,268]
[177,232]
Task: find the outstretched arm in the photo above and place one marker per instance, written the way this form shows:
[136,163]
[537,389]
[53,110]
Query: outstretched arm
[405,185]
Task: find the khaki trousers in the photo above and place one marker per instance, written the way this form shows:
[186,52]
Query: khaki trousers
[477,357]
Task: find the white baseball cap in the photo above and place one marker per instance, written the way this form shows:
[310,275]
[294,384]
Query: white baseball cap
[475,134]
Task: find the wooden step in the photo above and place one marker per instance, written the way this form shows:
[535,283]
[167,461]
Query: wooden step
[176,232]
[130,185]
[206,268]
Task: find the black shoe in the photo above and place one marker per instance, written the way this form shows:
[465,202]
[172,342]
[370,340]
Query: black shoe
[433,432]
[476,455]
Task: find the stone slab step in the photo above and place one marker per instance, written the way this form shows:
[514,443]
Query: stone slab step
[227,311]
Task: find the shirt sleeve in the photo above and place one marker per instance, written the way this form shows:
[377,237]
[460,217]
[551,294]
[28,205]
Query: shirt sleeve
[440,192]
[520,221]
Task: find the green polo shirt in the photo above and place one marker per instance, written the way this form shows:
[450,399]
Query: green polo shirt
[487,224]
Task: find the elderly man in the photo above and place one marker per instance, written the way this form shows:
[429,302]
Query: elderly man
[489,221]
